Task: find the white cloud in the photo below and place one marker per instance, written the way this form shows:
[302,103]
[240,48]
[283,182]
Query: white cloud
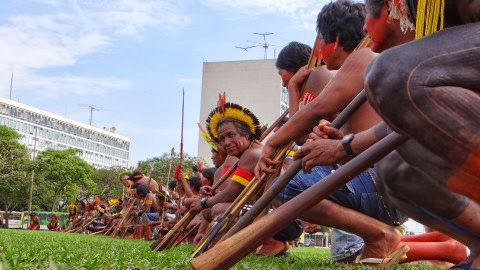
[60,86]
[62,32]
[299,12]
[259,6]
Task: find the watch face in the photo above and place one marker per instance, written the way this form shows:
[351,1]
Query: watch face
[346,140]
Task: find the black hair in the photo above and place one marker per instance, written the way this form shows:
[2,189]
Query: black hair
[135,176]
[195,183]
[374,7]
[141,190]
[209,173]
[172,185]
[342,18]
[293,56]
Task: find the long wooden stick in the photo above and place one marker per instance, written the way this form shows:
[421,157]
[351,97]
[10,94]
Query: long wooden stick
[167,241]
[292,170]
[267,198]
[127,214]
[232,250]
[178,242]
[225,221]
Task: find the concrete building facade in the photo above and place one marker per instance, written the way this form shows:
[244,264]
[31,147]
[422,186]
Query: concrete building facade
[41,130]
[254,84]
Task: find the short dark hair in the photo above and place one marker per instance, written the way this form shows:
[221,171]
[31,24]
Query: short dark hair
[141,190]
[172,185]
[374,7]
[195,183]
[342,18]
[135,176]
[293,56]
[209,174]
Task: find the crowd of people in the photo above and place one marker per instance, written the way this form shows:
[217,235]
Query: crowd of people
[416,61]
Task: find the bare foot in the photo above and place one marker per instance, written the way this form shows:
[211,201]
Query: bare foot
[271,247]
[381,244]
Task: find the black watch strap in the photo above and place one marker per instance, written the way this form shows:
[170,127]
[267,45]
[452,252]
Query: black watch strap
[346,141]
[203,202]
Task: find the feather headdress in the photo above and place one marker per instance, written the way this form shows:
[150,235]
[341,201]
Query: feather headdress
[228,110]
[207,138]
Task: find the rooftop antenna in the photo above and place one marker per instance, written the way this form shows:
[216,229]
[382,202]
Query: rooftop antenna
[91,108]
[265,44]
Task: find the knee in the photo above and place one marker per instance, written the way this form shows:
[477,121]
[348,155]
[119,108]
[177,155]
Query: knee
[383,79]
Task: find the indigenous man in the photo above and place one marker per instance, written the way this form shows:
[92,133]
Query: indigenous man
[339,25]
[34,222]
[139,178]
[53,225]
[431,160]
[148,209]
[237,130]
[432,97]
[290,59]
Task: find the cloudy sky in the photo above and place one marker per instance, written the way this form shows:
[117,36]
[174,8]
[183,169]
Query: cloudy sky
[130,59]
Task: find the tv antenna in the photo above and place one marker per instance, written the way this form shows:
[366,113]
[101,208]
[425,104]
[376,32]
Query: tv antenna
[265,44]
[91,108]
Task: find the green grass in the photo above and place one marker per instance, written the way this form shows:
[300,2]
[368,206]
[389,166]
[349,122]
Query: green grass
[20,249]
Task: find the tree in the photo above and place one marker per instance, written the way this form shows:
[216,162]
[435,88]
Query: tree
[108,183]
[60,176]
[14,165]
[164,166]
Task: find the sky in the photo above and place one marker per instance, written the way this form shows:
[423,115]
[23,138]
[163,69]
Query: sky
[129,60]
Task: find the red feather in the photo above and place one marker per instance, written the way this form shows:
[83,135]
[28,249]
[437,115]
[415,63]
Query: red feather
[178,169]
[222,99]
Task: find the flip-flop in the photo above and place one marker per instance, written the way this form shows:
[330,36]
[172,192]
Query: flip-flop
[394,258]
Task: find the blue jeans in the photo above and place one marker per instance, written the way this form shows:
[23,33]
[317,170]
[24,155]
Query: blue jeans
[359,194]
[344,244]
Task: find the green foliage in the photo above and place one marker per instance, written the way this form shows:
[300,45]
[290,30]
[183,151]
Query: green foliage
[108,183]
[164,166]
[60,175]
[14,168]
[21,249]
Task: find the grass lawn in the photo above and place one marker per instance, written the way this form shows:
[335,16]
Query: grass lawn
[20,249]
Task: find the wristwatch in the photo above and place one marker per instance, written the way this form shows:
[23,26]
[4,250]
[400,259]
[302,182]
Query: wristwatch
[203,202]
[346,141]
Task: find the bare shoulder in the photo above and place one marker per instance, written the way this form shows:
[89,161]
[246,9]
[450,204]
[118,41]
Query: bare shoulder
[360,56]
[229,161]
[250,157]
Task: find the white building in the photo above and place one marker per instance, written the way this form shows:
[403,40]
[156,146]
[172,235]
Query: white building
[41,130]
[254,84]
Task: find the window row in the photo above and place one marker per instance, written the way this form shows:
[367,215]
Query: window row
[42,120]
